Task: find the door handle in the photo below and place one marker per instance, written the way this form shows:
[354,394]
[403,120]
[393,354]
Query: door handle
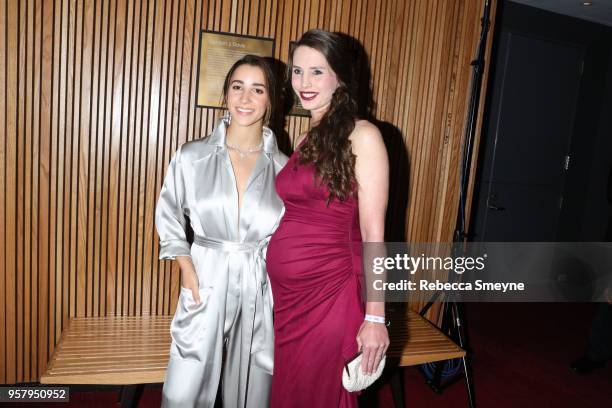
[496,208]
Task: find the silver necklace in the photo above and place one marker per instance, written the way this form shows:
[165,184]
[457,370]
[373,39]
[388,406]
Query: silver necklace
[244,152]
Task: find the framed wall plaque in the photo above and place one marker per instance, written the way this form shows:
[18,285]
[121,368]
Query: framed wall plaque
[218,52]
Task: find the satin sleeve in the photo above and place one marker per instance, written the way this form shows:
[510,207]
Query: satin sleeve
[170,213]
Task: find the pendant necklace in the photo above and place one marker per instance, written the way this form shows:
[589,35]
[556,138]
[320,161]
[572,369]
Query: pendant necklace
[244,152]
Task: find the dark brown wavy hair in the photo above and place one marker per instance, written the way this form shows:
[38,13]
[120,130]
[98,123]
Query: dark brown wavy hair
[327,145]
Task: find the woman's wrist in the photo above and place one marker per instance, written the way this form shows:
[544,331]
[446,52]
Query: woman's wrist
[376,319]
[375,308]
[189,277]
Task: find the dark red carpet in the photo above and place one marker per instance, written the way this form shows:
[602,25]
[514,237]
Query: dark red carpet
[521,355]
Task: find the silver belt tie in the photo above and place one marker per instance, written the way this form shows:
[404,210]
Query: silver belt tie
[257,303]
[232,246]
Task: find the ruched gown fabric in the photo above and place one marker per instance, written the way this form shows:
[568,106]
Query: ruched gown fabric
[314,265]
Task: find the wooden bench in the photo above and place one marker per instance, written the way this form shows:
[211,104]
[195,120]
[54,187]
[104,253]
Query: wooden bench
[128,351]
[132,351]
[415,341]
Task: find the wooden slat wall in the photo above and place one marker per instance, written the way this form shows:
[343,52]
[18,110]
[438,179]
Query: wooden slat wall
[95,96]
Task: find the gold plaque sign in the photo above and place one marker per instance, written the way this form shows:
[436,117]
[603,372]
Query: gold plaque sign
[218,52]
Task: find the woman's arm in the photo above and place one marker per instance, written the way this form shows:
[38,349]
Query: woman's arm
[372,173]
[171,225]
[189,277]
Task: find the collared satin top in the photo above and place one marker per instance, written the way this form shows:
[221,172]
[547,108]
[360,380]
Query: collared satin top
[228,251]
[200,183]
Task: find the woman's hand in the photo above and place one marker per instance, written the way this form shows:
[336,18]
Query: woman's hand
[189,277]
[373,341]
[372,173]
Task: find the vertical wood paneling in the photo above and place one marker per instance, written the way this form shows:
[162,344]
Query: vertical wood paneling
[96,96]
[3,140]
[105,65]
[30,189]
[48,136]
[58,205]
[10,191]
[22,133]
[122,98]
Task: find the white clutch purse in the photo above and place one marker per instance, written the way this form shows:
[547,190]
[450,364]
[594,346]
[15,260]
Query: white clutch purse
[354,379]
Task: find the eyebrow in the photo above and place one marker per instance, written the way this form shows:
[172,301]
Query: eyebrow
[242,82]
[297,66]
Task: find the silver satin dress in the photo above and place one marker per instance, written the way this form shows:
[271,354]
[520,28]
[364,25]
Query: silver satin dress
[230,333]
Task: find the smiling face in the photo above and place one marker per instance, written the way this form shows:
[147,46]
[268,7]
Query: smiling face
[247,95]
[313,80]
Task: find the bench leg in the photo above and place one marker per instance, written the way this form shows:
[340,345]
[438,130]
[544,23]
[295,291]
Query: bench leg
[435,383]
[397,388]
[130,395]
[467,372]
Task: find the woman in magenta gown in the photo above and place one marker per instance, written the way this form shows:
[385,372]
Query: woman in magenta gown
[334,188]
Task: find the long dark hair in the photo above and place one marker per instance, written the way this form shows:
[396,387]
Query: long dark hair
[264,65]
[328,146]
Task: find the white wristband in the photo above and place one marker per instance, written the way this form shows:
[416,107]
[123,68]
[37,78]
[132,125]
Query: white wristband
[375,319]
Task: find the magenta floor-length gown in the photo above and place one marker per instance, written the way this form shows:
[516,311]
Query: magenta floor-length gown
[314,264]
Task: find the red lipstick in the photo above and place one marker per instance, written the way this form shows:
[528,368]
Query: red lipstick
[308,96]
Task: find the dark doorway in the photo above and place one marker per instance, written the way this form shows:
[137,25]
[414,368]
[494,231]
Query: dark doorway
[528,139]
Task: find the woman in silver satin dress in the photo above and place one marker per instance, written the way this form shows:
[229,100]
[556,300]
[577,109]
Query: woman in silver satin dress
[224,183]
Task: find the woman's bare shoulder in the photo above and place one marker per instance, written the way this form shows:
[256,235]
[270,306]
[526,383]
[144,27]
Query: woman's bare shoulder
[365,134]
